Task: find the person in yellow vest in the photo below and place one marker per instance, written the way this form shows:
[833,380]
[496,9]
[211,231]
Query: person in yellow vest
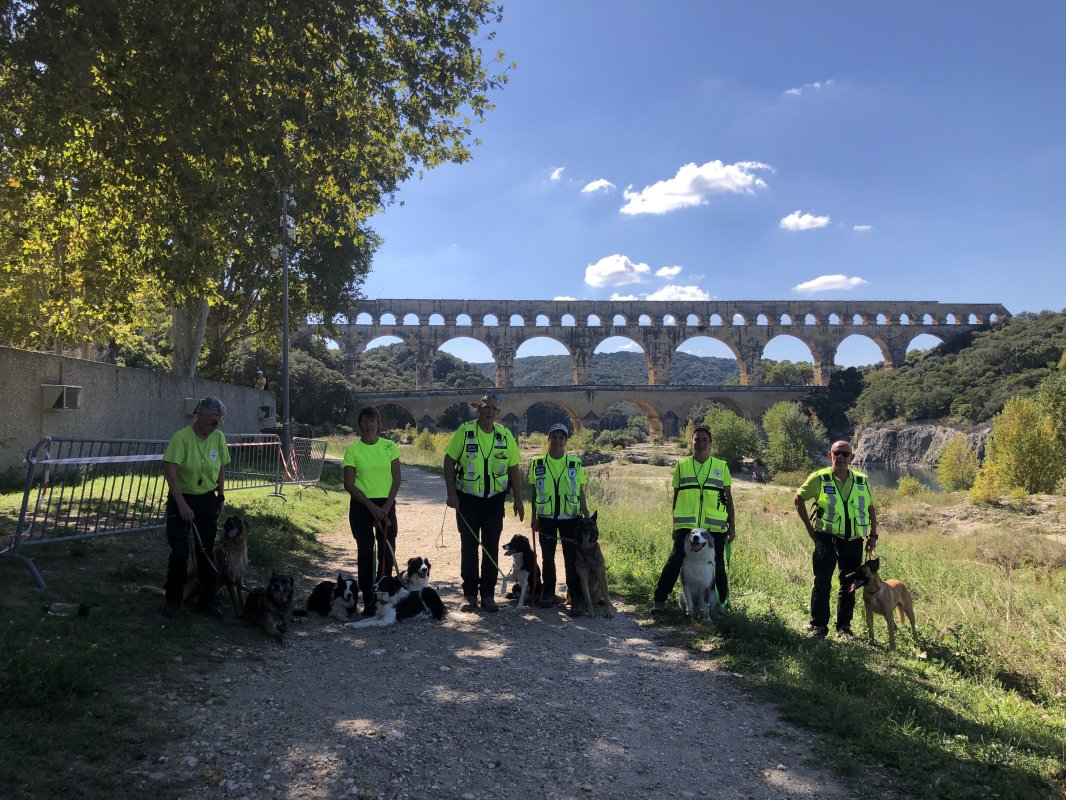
[557,495]
[702,499]
[371,467]
[194,465]
[260,380]
[842,517]
[480,467]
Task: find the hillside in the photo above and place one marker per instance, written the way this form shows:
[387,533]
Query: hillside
[969,378]
[618,368]
[392,368]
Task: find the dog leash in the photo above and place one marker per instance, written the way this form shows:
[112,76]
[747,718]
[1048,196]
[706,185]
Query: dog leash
[470,530]
[382,527]
[443,519]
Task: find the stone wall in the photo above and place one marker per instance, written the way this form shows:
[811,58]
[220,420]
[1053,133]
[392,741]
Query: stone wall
[915,444]
[112,403]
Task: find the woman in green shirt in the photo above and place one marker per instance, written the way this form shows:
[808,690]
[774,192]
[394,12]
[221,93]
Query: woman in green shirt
[372,477]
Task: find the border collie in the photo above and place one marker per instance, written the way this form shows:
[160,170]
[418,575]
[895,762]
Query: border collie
[416,577]
[397,603]
[698,596]
[525,572]
[336,599]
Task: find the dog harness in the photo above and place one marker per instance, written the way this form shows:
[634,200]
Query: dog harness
[844,517]
[701,495]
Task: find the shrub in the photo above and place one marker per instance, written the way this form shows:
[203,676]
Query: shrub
[657,458]
[425,441]
[537,441]
[790,436]
[581,441]
[732,438]
[956,467]
[1022,450]
[909,486]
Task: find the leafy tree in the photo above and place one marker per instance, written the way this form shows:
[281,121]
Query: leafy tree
[790,437]
[146,144]
[1022,452]
[831,405]
[732,438]
[787,373]
[956,467]
[1052,397]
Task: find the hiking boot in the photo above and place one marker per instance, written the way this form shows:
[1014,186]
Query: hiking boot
[658,607]
[488,604]
[845,633]
[469,603]
[576,611]
[547,603]
[818,632]
[173,611]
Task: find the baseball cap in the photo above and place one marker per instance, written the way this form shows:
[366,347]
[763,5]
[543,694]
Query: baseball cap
[558,426]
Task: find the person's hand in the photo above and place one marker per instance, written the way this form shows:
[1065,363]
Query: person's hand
[871,544]
[731,534]
[185,511]
[220,505]
[533,524]
[519,509]
[453,499]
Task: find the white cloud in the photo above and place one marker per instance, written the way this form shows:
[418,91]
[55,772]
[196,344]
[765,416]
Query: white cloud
[599,185]
[667,272]
[563,297]
[810,86]
[620,298]
[798,221]
[693,185]
[828,283]
[557,173]
[616,270]
[862,228]
[674,292]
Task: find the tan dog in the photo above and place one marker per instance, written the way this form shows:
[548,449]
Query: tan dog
[882,597]
[231,560]
[590,567]
[271,608]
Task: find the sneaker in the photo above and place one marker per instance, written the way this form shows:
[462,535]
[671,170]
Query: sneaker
[488,604]
[173,610]
[469,603]
[658,607]
[818,632]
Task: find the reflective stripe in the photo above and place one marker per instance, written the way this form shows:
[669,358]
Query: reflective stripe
[684,520]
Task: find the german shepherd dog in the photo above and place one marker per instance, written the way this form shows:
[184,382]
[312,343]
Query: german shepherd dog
[882,597]
[334,599]
[590,567]
[231,559]
[271,608]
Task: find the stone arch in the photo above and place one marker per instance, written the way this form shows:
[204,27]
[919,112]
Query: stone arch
[928,319]
[651,414]
[541,415]
[363,318]
[739,321]
[727,402]
[388,318]
[856,348]
[762,319]
[436,319]
[476,351]
[669,320]
[490,321]
[924,341]
[785,319]
[619,321]
[463,321]
[394,415]
[951,319]
[516,321]
[788,341]
[858,319]
[538,341]
[716,319]
[387,339]
[593,321]
[644,321]
[904,319]
[834,319]
[882,319]
[810,319]
[411,319]
[612,343]
[703,345]
[692,321]
[541,321]
[568,321]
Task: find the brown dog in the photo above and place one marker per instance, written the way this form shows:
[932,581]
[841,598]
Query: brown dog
[882,597]
[231,559]
[271,608]
[591,569]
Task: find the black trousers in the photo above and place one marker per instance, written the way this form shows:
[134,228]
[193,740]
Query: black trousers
[831,551]
[479,518]
[552,530]
[205,507]
[672,567]
[368,541]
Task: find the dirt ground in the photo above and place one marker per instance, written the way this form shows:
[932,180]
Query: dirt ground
[514,704]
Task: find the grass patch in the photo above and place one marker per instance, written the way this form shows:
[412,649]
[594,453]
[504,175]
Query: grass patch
[975,710]
[83,695]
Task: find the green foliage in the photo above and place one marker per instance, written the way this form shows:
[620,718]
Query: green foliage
[425,441]
[609,369]
[956,467]
[787,373]
[581,441]
[732,438]
[392,368]
[1052,396]
[1022,452]
[146,144]
[909,486]
[790,437]
[831,406]
[971,377]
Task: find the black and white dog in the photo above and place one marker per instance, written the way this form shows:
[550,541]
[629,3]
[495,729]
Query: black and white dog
[525,572]
[416,577]
[698,596]
[397,603]
[336,599]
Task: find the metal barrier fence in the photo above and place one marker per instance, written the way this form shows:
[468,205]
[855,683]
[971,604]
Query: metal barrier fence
[84,488]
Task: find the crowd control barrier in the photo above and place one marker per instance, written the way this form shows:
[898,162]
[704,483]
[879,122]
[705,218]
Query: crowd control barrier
[85,488]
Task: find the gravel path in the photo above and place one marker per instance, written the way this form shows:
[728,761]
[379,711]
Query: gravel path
[516,704]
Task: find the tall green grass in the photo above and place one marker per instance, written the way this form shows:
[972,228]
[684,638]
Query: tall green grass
[974,710]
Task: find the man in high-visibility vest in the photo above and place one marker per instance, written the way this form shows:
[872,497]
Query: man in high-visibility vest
[487,459]
[702,499]
[557,493]
[843,515]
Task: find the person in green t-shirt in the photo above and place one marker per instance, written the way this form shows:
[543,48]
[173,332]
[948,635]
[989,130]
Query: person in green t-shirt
[194,468]
[557,494]
[371,467]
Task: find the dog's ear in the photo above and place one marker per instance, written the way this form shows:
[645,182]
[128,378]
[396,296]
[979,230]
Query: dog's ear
[594,513]
[875,564]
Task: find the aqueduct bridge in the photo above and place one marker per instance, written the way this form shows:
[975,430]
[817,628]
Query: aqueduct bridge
[659,328]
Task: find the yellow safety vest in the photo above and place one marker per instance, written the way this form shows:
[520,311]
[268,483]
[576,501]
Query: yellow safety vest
[562,498]
[701,505]
[473,465]
[832,515]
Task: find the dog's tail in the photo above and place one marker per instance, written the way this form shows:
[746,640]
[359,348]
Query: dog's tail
[151,589]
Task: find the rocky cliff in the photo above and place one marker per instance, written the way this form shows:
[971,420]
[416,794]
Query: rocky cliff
[916,444]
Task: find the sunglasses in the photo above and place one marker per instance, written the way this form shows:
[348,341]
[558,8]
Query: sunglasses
[843,453]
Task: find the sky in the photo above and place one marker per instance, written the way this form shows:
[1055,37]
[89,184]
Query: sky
[647,149]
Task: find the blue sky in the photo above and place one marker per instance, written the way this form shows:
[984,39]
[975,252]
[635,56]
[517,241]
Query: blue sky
[756,150]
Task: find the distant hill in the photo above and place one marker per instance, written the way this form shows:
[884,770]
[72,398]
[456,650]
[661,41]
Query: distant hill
[392,368]
[618,368]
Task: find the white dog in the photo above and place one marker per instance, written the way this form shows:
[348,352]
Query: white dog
[698,596]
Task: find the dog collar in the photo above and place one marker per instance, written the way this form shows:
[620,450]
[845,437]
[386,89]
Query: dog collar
[872,591]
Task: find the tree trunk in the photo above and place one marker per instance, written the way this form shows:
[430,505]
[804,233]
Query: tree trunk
[189,324]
